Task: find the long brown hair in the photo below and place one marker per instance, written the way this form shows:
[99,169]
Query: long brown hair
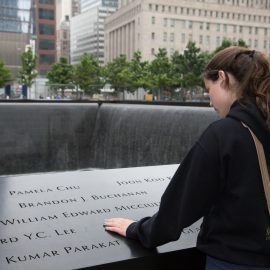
[250,68]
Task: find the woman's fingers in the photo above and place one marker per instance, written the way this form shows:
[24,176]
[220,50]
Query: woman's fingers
[117,225]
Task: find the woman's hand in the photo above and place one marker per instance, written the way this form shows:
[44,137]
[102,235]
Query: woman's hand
[117,225]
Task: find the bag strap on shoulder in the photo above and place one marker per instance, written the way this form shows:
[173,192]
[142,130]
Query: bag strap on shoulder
[263,166]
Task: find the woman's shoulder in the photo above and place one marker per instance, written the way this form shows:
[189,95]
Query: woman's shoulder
[224,125]
[222,129]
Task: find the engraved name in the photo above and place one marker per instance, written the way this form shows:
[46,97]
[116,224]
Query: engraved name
[49,203]
[118,195]
[14,259]
[14,193]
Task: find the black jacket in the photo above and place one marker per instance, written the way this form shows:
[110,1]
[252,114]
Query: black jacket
[219,180]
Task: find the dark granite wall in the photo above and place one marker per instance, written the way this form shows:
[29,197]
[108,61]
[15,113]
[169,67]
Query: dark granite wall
[37,137]
[45,137]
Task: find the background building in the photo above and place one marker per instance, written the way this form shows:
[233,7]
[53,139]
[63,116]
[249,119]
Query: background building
[87,29]
[148,25]
[45,34]
[65,9]
[16,27]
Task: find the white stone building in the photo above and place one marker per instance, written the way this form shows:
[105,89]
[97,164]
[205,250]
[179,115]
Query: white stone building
[87,29]
[148,25]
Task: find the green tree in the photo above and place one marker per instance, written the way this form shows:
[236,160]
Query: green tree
[4,74]
[87,74]
[160,72]
[226,42]
[28,72]
[60,75]
[118,74]
[187,68]
[139,72]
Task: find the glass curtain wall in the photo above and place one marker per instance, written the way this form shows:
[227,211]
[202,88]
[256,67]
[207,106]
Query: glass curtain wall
[15,16]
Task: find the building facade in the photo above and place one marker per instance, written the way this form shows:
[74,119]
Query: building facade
[65,9]
[90,4]
[16,26]
[148,25]
[63,39]
[87,29]
[45,34]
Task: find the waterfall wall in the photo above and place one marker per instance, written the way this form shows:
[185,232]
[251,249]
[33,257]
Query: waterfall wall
[37,137]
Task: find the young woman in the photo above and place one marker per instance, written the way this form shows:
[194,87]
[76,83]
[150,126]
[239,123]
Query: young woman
[220,177]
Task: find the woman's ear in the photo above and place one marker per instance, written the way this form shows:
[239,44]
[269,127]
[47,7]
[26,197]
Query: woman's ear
[221,75]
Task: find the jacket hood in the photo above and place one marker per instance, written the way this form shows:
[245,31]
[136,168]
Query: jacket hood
[251,115]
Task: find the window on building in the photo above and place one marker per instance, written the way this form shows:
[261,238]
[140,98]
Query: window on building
[153,35]
[165,22]
[46,29]
[255,43]
[46,14]
[156,7]
[65,35]
[218,27]
[234,28]
[264,44]
[201,25]
[46,45]
[224,28]
[172,37]
[153,51]
[183,38]
[256,30]
[169,9]
[207,26]
[43,72]
[190,37]
[153,19]
[172,22]
[217,41]
[200,39]
[240,29]
[250,30]
[164,36]
[150,6]
[46,59]
[207,40]
[163,8]
[46,1]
